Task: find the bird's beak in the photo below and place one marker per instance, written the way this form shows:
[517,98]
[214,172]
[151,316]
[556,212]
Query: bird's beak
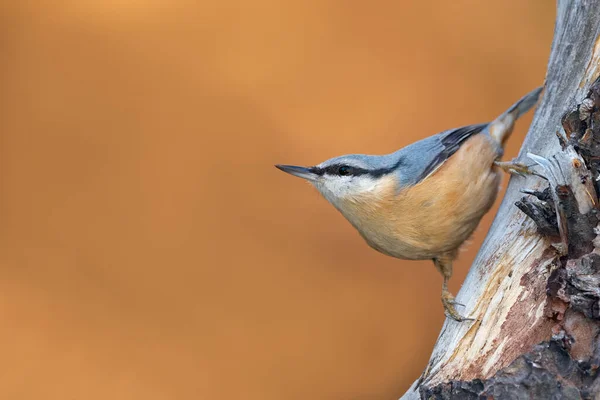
[300,172]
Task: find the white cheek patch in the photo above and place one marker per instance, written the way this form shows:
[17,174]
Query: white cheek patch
[365,183]
[345,187]
[339,186]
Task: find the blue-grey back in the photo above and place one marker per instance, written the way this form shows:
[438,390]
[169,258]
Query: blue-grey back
[420,159]
[412,163]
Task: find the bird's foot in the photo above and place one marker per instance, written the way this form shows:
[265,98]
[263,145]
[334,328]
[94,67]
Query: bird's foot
[516,168]
[449,303]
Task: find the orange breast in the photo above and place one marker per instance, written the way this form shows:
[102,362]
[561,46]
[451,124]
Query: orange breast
[435,216]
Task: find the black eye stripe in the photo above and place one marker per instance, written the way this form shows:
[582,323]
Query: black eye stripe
[334,170]
[339,170]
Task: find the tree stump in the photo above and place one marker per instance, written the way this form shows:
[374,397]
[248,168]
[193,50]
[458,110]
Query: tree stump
[534,287]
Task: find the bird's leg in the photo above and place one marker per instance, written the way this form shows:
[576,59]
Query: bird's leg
[444,265]
[517,168]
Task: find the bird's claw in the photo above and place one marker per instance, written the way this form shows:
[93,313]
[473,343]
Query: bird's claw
[517,168]
[455,303]
[449,310]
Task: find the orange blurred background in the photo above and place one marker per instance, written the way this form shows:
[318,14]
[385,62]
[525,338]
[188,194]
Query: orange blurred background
[149,248]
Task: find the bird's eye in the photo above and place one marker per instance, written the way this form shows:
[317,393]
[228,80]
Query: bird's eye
[344,170]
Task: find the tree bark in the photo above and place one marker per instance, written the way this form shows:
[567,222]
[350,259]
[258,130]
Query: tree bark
[534,287]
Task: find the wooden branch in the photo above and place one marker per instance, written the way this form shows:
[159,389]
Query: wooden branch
[534,287]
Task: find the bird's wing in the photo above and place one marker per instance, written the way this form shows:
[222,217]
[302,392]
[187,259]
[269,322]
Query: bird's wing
[423,158]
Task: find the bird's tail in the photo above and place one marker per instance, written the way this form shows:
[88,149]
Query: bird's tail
[501,128]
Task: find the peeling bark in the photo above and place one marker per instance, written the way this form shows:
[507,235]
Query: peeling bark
[547,372]
[534,288]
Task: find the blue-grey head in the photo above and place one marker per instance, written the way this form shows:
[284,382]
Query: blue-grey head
[346,177]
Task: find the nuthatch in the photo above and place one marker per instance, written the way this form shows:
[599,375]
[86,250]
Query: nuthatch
[424,200]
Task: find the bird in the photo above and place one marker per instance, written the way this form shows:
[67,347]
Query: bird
[423,201]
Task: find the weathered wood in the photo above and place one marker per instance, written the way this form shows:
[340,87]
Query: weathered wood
[521,331]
